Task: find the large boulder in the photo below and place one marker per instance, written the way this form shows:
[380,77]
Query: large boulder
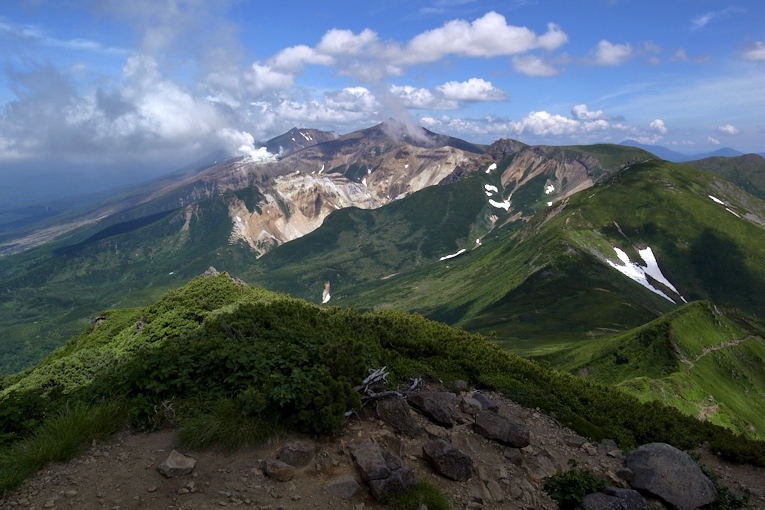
[448,460]
[503,428]
[384,472]
[278,470]
[614,498]
[664,471]
[396,412]
[439,406]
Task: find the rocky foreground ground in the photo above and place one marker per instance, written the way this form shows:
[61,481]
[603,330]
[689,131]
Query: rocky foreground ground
[444,442]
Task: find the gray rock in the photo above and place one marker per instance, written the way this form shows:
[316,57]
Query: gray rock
[297,453]
[513,454]
[278,470]
[614,498]
[435,431]
[664,471]
[448,460]
[396,412]
[344,486]
[470,406]
[503,428]
[439,406]
[486,402]
[176,464]
[384,472]
[574,440]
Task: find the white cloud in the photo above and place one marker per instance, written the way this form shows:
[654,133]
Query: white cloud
[609,54]
[345,42]
[263,78]
[534,66]
[704,19]
[680,55]
[358,99]
[474,89]
[658,126]
[713,141]
[421,98]
[755,52]
[488,36]
[729,129]
[580,112]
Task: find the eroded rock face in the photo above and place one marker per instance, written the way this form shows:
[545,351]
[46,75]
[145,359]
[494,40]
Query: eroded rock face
[384,472]
[448,460]
[664,471]
[176,464]
[503,428]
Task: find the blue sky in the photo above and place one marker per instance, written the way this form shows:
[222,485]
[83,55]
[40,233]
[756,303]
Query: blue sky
[112,85]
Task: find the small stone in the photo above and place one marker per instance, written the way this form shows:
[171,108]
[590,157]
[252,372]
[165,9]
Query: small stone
[434,431]
[176,464]
[615,454]
[152,488]
[470,406]
[70,493]
[278,470]
[574,441]
[297,453]
[460,385]
[511,453]
[50,503]
[295,497]
[183,490]
[486,403]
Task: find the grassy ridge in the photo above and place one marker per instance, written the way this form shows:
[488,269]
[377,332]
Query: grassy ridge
[700,359]
[218,344]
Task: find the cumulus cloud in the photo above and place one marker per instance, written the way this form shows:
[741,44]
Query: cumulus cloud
[729,129]
[581,112]
[358,99]
[534,66]
[421,98]
[755,52]
[610,54]
[713,141]
[658,126]
[474,89]
[488,36]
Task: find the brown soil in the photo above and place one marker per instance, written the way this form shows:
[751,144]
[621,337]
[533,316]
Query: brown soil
[121,473]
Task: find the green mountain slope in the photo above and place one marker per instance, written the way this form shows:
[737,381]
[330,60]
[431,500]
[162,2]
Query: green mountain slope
[549,283]
[746,172]
[705,361]
[282,362]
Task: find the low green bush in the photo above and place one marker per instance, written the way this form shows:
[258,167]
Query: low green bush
[425,493]
[568,488]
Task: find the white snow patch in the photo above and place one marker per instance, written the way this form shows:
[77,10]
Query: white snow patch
[171,272]
[322,169]
[549,189]
[364,181]
[293,139]
[639,274]
[307,138]
[716,200]
[238,219]
[493,166]
[489,187]
[369,171]
[478,242]
[326,298]
[501,205]
[733,213]
[549,204]
[297,172]
[406,166]
[489,193]
[445,257]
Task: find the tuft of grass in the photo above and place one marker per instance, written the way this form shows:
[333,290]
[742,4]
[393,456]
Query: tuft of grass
[59,439]
[424,493]
[224,425]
